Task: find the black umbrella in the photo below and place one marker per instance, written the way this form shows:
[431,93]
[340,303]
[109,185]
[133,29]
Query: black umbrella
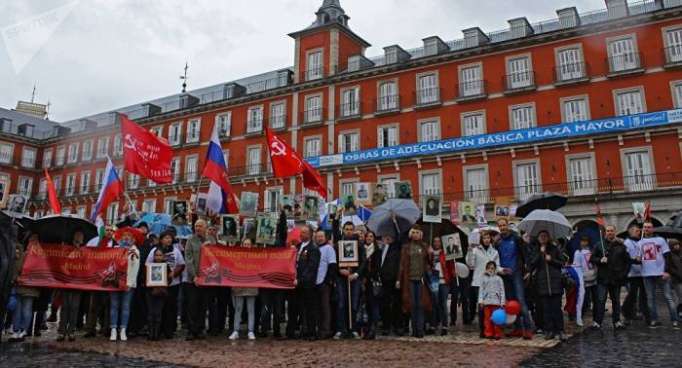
[542,201]
[673,229]
[57,229]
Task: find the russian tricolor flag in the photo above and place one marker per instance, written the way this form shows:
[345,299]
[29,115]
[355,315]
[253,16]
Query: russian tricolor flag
[112,189]
[221,198]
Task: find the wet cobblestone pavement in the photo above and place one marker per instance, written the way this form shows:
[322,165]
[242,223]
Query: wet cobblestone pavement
[636,346]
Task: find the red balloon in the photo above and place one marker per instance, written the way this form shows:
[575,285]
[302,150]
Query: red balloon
[512,307]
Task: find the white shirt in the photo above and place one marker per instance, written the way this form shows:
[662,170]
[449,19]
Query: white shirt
[653,249]
[477,258]
[300,250]
[634,250]
[384,251]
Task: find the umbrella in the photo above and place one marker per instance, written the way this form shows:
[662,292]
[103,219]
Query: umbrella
[475,235]
[553,222]
[364,214]
[542,201]
[60,228]
[393,217]
[673,229]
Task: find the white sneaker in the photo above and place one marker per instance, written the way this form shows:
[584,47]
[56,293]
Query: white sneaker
[252,336]
[234,336]
[123,335]
[113,335]
[596,325]
[356,335]
[337,336]
[22,334]
[14,336]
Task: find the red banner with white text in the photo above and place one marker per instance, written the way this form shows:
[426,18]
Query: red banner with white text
[68,267]
[271,268]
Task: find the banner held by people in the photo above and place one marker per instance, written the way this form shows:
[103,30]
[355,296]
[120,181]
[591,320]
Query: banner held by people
[144,153]
[66,267]
[272,268]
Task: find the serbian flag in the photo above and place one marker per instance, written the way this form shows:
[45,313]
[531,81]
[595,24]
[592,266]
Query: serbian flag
[112,189]
[52,195]
[221,197]
[144,153]
[286,162]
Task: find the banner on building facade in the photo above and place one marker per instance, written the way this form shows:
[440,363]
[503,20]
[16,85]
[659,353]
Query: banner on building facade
[67,267]
[272,268]
[509,138]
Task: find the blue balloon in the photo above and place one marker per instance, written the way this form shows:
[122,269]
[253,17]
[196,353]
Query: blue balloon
[499,317]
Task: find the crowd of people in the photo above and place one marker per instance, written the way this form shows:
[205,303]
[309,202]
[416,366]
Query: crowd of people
[401,285]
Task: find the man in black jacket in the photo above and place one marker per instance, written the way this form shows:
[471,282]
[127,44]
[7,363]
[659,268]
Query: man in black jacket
[307,264]
[613,263]
[391,303]
[348,277]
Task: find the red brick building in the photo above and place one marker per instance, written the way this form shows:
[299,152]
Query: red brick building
[461,119]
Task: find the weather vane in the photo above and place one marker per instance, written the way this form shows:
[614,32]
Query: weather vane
[184,78]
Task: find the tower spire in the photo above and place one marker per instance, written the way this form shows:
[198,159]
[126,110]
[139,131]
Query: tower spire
[184,78]
[331,12]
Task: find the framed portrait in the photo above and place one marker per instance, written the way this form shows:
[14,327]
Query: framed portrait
[229,227]
[502,211]
[363,193]
[332,208]
[180,209]
[349,208]
[403,189]
[348,253]
[4,188]
[311,208]
[431,209]
[467,212]
[453,246]
[379,194]
[266,228]
[480,214]
[157,274]
[201,204]
[287,205]
[17,204]
[248,228]
[248,204]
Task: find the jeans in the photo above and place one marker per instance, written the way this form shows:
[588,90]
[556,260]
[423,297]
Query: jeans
[416,307]
[650,284]
[440,306]
[68,314]
[514,289]
[238,302]
[636,298]
[23,313]
[554,316]
[120,302]
[342,324]
[614,293]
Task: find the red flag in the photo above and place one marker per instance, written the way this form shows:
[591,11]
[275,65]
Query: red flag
[144,153]
[647,211]
[286,162]
[52,195]
[600,218]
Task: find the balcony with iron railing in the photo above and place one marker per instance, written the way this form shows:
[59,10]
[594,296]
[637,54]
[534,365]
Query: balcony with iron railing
[427,97]
[624,64]
[350,110]
[472,90]
[570,73]
[387,104]
[673,56]
[312,117]
[254,127]
[277,122]
[313,74]
[519,82]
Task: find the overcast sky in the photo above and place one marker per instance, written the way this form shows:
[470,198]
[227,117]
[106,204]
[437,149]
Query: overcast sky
[90,56]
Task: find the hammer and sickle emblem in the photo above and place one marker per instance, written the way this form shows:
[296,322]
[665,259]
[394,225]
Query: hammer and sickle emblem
[278,149]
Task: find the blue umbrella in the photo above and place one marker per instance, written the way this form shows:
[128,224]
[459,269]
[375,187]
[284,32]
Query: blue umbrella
[364,214]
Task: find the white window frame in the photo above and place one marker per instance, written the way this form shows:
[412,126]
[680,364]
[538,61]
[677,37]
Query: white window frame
[193,130]
[175,133]
[72,153]
[470,87]
[168,204]
[47,158]
[517,185]
[313,115]
[118,145]
[350,101]
[70,184]
[266,198]
[620,110]
[342,140]
[25,162]
[646,181]
[25,185]
[468,114]
[380,135]
[253,168]
[517,79]
[673,52]
[317,71]
[566,118]
[60,156]
[9,157]
[389,180]
[191,176]
[585,187]
[157,130]
[533,115]
[133,181]
[102,147]
[628,62]
[479,194]
[85,181]
[573,70]
[278,120]
[420,125]
[254,119]
[428,94]
[422,174]
[86,155]
[224,122]
[391,101]
[306,149]
[347,182]
[147,203]
[175,169]
[675,94]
